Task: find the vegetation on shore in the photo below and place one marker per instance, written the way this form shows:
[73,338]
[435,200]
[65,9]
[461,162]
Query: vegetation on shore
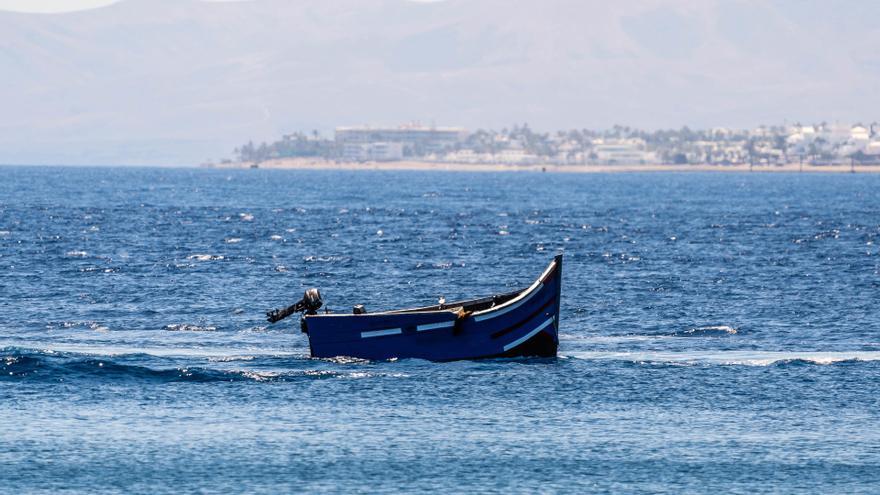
[764,145]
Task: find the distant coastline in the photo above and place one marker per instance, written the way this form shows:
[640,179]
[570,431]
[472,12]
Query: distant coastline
[321,164]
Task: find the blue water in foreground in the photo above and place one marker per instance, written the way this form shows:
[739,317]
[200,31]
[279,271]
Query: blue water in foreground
[719,333]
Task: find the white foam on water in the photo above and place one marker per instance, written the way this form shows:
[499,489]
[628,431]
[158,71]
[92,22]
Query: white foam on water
[708,330]
[98,327]
[204,257]
[345,360]
[247,217]
[227,359]
[260,376]
[612,339]
[76,254]
[233,240]
[186,327]
[743,358]
[357,375]
[724,328]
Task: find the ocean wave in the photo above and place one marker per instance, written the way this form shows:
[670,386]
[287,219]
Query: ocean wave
[20,364]
[50,366]
[98,327]
[205,257]
[611,339]
[730,358]
[325,259]
[229,359]
[708,331]
[186,327]
[256,329]
[344,360]
[122,351]
[91,325]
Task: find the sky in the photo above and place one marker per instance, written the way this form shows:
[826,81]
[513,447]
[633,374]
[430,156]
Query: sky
[51,6]
[181,82]
[59,6]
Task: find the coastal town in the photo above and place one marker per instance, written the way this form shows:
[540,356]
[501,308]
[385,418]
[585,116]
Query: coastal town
[818,145]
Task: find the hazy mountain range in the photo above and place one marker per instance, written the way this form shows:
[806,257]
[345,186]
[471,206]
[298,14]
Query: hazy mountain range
[181,81]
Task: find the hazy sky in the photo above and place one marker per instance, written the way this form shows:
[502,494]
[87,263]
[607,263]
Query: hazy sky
[47,6]
[53,6]
[181,81]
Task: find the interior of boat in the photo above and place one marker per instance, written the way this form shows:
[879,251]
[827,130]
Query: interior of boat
[469,306]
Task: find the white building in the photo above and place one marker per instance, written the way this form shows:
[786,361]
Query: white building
[859,139]
[623,151]
[414,139]
[801,139]
[372,152]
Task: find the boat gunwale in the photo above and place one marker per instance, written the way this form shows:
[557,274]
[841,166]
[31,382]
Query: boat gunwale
[522,295]
[415,311]
[457,306]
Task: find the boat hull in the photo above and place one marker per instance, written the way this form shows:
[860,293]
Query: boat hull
[525,323]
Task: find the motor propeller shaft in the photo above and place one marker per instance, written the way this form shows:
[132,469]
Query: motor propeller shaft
[309,304]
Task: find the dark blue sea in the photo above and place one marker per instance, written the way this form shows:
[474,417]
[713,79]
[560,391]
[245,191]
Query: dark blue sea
[720,333]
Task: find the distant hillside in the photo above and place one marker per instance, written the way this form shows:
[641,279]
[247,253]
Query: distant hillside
[181,81]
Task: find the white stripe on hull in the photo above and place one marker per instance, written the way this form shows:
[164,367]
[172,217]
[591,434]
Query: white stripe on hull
[510,307]
[435,326]
[380,333]
[528,335]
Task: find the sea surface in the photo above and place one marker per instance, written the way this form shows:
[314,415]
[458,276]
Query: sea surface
[720,333]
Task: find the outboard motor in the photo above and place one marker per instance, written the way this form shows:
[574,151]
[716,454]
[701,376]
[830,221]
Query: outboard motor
[312,301]
[309,305]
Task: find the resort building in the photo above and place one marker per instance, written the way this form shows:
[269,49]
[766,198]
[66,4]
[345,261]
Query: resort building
[372,152]
[622,151]
[413,139]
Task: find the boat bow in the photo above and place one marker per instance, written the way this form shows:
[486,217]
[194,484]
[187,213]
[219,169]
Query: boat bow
[521,323]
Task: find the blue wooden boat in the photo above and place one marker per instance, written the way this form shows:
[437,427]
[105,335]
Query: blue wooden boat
[520,323]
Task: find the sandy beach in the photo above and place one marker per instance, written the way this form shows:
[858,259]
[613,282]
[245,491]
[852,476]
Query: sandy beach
[318,164]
